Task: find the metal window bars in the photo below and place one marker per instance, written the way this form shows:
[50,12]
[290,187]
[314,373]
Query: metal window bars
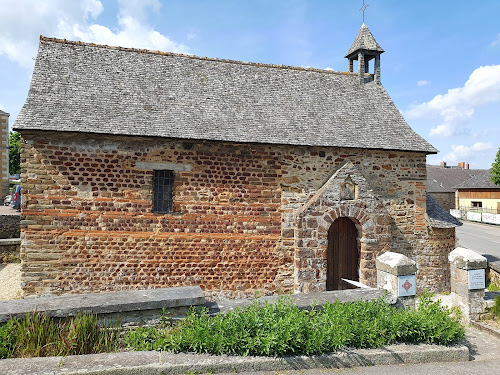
[163,191]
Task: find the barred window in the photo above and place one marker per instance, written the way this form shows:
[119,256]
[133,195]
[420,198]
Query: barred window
[163,191]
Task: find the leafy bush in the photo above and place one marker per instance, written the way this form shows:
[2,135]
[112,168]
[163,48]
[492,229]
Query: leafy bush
[492,287]
[7,339]
[37,335]
[283,329]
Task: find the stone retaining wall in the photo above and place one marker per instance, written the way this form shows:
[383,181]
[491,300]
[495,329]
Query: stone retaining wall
[10,226]
[9,250]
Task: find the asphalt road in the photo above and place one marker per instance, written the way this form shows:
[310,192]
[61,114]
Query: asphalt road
[482,238]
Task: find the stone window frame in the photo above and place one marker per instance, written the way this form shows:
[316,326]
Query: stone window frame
[162,166]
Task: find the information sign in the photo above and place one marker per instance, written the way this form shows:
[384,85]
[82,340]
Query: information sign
[476,279]
[407,285]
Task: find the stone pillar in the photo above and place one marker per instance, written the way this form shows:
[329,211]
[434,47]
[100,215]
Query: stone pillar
[4,155]
[396,274]
[350,66]
[361,67]
[467,272]
[377,69]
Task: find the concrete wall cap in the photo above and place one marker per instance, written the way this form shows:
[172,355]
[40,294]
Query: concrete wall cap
[396,264]
[467,259]
[10,241]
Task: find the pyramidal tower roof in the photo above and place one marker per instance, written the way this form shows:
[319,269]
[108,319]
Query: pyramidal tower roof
[364,41]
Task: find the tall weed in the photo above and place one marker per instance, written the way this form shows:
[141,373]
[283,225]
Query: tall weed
[37,335]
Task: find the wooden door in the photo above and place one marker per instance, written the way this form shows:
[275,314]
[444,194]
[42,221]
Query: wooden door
[342,254]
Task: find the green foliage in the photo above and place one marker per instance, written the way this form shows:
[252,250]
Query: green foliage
[37,335]
[7,339]
[14,153]
[496,307]
[283,329]
[495,169]
[492,287]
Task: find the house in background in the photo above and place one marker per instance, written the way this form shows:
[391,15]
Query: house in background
[147,169]
[479,193]
[442,179]
[4,155]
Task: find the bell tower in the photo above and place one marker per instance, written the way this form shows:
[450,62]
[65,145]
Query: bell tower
[365,48]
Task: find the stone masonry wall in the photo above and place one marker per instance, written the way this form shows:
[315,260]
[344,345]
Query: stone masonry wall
[87,223]
[4,156]
[9,226]
[445,200]
[434,254]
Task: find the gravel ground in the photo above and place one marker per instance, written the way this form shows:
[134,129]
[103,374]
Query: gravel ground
[10,281]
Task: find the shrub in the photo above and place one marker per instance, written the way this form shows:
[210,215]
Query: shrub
[283,329]
[496,307]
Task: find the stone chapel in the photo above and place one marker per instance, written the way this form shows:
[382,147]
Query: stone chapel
[148,169]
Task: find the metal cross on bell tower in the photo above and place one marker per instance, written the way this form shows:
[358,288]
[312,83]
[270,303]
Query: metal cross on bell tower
[362,9]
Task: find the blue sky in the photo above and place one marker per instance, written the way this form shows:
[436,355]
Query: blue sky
[441,65]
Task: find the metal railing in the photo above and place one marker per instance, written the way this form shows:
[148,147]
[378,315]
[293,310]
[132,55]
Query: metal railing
[479,209]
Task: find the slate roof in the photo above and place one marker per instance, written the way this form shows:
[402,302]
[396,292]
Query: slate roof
[480,180]
[438,217]
[444,180]
[81,87]
[364,41]
[3,113]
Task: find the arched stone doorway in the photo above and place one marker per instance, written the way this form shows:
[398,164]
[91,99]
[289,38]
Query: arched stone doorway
[342,254]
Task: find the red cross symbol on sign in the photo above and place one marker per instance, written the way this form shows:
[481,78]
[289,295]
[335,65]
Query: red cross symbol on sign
[407,285]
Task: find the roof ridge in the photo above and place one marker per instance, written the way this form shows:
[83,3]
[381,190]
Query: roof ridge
[195,57]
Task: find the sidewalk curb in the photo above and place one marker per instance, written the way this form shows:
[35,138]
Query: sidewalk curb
[485,328]
[155,363]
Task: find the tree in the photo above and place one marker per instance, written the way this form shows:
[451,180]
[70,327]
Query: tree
[14,153]
[495,169]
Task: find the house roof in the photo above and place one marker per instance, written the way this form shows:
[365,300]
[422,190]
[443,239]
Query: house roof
[444,180]
[364,41]
[3,113]
[438,217]
[82,87]
[480,180]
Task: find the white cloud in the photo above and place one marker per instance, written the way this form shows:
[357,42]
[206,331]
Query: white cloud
[496,41]
[423,83]
[24,20]
[457,106]
[461,153]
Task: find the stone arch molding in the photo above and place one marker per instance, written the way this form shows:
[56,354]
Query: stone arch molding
[314,218]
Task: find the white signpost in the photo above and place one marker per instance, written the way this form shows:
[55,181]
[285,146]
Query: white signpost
[476,279]
[407,285]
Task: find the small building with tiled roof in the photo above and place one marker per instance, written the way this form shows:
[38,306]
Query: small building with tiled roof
[146,169]
[479,193]
[442,181]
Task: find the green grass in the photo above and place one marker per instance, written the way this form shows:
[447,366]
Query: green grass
[283,329]
[37,335]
